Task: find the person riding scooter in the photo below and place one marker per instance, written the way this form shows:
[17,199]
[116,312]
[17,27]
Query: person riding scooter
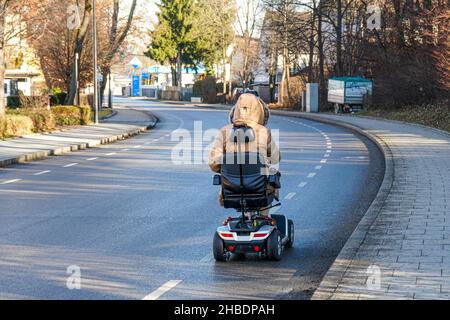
[250,112]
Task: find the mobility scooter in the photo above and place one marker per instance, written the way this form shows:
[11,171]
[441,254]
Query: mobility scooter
[244,184]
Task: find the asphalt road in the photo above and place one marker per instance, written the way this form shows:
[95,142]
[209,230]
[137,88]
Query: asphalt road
[140,226]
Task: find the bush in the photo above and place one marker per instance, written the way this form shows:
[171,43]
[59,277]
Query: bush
[85,112]
[207,89]
[43,120]
[57,99]
[66,115]
[71,115]
[16,125]
[13,102]
[31,102]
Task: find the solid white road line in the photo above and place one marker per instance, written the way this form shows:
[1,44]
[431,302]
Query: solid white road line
[91,159]
[70,165]
[289,196]
[161,290]
[312,175]
[11,181]
[302,185]
[42,172]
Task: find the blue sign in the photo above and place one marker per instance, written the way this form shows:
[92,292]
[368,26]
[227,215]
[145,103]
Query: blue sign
[145,76]
[136,86]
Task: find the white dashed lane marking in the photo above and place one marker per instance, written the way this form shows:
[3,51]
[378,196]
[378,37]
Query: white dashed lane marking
[312,175]
[318,167]
[302,185]
[323,161]
[289,196]
[70,165]
[110,154]
[91,159]
[11,181]
[169,285]
[42,172]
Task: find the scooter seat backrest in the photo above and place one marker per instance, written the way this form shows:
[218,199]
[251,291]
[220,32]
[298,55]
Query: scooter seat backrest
[254,181]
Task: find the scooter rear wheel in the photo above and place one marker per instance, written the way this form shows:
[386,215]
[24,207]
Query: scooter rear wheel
[291,235]
[218,248]
[274,246]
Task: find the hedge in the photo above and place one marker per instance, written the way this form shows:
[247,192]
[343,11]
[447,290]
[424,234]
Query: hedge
[15,125]
[71,115]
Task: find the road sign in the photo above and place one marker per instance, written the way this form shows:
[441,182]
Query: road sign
[145,76]
[136,86]
[136,63]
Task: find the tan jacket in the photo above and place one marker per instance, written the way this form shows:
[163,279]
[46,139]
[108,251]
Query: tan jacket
[252,112]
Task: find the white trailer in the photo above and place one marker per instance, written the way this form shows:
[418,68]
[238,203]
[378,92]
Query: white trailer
[348,93]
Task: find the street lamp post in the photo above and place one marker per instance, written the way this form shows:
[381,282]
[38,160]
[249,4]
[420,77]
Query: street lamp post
[94,33]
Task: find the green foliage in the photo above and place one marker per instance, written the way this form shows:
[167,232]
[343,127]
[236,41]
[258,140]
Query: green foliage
[43,120]
[71,115]
[56,90]
[13,102]
[174,31]
[58,98]
[201,30]
[207,89]
[85,115]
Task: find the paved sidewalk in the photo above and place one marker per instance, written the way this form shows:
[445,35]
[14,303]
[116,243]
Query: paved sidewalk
[401,248]
[126,123]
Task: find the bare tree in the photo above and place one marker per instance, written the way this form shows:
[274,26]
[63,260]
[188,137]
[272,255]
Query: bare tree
[80,38]
[117,35]
[247,26]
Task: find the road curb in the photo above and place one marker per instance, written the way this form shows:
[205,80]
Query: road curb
[335,274]
[58,151]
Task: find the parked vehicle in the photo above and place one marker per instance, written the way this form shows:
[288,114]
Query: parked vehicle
[348,93]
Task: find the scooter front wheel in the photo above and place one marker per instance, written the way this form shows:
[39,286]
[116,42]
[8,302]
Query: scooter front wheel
[218,248]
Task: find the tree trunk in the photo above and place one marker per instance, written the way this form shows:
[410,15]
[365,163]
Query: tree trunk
[105,73]
[80,37]
[173,70]
[322,89]
[2,58]
[180,69]
[339,38]
[311,47]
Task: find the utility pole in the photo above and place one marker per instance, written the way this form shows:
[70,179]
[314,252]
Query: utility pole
[94,32]
[110,104]
[77,79]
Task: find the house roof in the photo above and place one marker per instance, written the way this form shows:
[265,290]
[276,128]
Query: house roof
[20,74]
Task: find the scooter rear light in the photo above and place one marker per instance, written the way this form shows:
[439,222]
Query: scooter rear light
[259,235]
[227,235]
